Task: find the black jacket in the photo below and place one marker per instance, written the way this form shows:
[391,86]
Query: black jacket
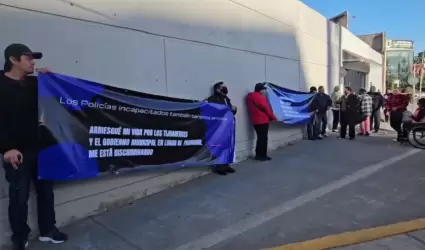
[320,103]
[221,99]
[350,103]
[377,101]
[18,114]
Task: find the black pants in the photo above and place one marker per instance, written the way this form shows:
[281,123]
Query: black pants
[312,130]
[375,120]
[407,126]
[262,131]
[347,120]
[386,115]
[396,119]
[322,123]
[19,191]
[335,119]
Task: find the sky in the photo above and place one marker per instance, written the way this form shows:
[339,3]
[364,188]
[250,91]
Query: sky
[401,20]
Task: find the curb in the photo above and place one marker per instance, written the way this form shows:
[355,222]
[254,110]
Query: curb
[356,237]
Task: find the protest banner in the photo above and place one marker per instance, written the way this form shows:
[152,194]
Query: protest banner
[289,106]
[88,128]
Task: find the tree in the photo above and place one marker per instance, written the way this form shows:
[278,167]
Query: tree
[390,81]
[418,60]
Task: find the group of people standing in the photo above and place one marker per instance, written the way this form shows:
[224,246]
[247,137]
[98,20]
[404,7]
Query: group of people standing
[348,109]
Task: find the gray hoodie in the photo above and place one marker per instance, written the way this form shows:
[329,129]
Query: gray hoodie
[335,96]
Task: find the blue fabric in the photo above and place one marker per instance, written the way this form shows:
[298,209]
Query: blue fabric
[65,127]
[289,106]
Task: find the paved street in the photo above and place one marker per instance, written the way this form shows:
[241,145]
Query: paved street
[309,190]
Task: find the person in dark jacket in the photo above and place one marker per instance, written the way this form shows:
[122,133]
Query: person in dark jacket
[324,103]
[350,106]
[377,105]
[312,130]
[261,114]
[18,145]
[219,96]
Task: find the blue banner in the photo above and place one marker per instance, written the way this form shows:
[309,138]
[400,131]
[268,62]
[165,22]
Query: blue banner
[87,128]
[289,106]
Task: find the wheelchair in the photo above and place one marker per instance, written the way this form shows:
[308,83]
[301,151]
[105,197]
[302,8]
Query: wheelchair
[416,136]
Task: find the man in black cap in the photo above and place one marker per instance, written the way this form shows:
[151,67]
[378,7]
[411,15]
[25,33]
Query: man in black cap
[219,96]
[18,144]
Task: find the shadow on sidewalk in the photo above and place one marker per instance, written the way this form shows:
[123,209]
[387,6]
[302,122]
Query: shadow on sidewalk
[200,207]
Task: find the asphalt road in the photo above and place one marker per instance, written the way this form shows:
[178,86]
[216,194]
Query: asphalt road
[308,190]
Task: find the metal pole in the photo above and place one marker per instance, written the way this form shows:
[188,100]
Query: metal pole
[421,75]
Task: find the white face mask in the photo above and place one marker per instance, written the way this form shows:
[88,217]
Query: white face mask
[264,92]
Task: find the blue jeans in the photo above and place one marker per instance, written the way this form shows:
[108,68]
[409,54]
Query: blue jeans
[312,131]
[321,123]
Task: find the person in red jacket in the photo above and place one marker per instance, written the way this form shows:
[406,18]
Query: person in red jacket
[397,104]
[261,114]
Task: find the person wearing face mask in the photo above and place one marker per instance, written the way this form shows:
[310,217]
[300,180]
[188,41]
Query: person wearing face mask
[219,96]
[261,114]
[19,142]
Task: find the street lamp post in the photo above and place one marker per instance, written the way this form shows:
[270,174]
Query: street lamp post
[421,74]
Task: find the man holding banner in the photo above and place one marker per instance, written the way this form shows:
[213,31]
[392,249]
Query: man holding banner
[18,144]
[312,125]
[324,103]
[261,114]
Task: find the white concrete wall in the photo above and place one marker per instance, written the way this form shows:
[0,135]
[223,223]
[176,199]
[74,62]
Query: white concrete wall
[177,48]
[375,77]
[356,46]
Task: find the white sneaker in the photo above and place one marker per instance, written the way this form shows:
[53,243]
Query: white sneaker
[325,135]
[395,140]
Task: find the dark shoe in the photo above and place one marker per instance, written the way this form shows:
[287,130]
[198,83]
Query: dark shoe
[334,130]
[219,172]
[311,139]
[218,169]
[20,245]
[360,134]
[260,158]
[55,237]
[230,170]
[268,158]
[352,138]
[376,131]
[367,134]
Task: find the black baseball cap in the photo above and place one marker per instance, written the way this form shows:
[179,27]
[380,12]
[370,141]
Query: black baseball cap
[260,86]
[17,50]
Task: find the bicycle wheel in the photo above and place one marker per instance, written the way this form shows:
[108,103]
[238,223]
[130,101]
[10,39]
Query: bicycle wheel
[417,138]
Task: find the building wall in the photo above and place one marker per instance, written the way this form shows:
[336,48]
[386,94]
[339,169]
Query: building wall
[375,78]
[177,48]
[353,44]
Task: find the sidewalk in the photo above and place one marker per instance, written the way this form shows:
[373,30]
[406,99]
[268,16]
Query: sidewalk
[410,241]
[309,190]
